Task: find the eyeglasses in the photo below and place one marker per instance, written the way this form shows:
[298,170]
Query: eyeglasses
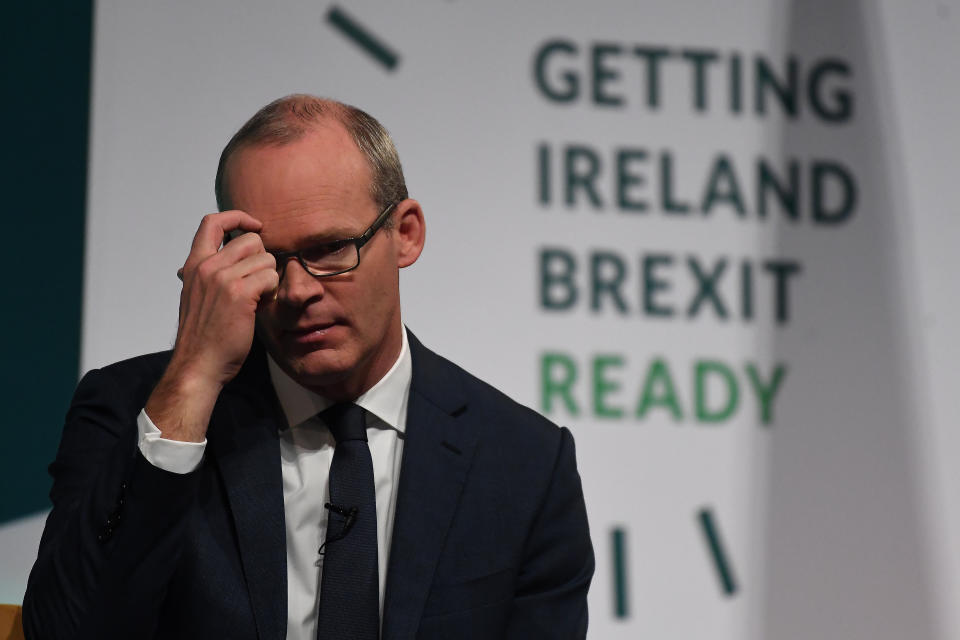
[332,258]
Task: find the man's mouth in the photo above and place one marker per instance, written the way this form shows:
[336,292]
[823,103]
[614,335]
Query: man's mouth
[313,332]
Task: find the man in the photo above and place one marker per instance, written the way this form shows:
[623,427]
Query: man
[299,465]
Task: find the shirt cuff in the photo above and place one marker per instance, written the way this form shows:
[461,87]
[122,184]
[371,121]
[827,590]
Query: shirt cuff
[170,455]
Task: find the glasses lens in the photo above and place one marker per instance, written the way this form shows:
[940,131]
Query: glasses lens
[331,257]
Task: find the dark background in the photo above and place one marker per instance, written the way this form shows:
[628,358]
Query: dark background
[45,113]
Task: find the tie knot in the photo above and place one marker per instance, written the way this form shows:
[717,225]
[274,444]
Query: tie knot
[347,421]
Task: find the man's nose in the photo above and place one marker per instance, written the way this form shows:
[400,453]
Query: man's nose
[297,286]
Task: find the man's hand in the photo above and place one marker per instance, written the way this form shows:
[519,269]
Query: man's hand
[218,304]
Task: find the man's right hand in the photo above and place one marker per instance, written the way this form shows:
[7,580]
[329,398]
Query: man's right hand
[221,291]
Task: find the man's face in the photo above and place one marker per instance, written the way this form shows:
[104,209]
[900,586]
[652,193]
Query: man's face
[340,334]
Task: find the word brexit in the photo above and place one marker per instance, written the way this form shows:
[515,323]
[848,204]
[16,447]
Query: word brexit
[601,281]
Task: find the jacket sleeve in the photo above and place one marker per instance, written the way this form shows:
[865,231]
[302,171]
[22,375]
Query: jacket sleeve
[110,543]
[558,561]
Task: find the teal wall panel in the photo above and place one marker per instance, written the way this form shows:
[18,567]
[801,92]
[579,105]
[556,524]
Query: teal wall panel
[45,113]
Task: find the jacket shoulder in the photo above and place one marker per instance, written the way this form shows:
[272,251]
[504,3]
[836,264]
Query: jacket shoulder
[128,381]
[467,396]
[149,366]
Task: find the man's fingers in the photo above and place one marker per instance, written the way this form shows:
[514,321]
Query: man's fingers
[246,268]
[236,250]
[262,283]
[212,228]
[242,246]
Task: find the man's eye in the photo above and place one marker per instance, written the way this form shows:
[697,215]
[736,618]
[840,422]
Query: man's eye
[325,251]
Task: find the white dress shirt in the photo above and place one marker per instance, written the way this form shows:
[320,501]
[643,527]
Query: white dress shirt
[306,452]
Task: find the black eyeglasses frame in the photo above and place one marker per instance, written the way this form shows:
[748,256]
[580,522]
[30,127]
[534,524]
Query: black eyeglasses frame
[283,257]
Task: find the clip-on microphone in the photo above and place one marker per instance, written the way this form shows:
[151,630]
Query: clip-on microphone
[350,516]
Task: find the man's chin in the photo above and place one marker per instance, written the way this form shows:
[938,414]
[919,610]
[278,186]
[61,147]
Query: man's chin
[318,368]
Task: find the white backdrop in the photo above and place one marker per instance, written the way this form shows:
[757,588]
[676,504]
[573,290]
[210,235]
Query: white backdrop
[836,516]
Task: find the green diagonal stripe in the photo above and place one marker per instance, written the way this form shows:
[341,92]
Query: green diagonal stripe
[360,36]
[727,581]
[618,544]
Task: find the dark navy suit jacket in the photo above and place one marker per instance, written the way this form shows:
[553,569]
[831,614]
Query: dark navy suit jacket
[490,535]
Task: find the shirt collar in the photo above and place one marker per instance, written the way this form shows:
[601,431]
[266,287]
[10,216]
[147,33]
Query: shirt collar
[387,399]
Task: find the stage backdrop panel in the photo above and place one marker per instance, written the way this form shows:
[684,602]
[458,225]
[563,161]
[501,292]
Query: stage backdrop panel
[713,239]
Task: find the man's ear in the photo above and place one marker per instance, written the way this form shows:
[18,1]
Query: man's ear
[410,230]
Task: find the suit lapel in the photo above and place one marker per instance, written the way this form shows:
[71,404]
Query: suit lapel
[437,454]
[246,449]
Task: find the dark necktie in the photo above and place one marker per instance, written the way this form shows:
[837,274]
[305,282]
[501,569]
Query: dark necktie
[349,590]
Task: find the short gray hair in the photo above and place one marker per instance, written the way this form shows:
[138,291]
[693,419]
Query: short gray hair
[288,119]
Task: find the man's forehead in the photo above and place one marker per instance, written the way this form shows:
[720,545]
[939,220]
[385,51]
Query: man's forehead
[323,158]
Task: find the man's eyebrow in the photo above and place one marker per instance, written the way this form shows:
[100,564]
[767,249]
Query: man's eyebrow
[331,235]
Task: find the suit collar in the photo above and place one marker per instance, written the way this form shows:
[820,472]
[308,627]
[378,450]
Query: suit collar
[438,451]
[436,379]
